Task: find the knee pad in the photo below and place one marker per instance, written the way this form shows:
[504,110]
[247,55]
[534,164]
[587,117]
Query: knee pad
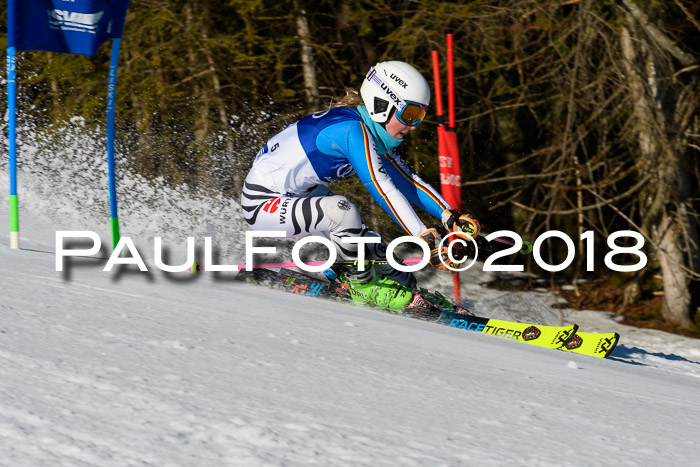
[341,212]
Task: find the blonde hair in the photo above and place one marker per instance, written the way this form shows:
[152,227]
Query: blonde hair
[352,98]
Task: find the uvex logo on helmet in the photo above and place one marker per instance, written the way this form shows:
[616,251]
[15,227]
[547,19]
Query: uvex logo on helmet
[391,94]
[401,82]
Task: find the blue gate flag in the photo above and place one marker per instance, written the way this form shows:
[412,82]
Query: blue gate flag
[77,26]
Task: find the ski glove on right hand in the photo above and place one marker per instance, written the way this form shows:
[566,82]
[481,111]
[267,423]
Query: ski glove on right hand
[462,224]
[431,237]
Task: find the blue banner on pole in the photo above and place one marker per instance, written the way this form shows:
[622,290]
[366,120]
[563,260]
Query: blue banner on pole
[74,26]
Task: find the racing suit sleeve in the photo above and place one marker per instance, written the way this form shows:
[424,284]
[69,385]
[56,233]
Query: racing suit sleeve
[414,188]
[372,169]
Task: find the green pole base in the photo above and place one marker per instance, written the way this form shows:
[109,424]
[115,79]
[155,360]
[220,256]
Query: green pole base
[14,222]
[114,224]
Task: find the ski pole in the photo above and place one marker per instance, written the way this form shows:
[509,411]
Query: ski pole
[525,250]
[290,264]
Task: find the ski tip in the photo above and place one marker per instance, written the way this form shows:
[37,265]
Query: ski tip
[573,333]
[612,347]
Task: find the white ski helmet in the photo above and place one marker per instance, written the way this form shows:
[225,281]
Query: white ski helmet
[395,85]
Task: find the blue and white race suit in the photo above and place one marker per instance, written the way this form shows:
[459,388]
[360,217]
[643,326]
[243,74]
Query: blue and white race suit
[285,188]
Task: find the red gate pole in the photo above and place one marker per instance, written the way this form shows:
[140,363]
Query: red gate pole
[446,157]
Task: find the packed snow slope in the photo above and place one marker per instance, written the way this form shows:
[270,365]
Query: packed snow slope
[134,368]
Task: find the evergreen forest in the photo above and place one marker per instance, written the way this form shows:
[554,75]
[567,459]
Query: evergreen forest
[572,115]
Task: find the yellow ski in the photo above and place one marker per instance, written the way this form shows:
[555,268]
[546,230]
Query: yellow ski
[551,337]
[591,343]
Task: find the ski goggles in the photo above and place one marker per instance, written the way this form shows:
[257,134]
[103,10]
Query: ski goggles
[412,113]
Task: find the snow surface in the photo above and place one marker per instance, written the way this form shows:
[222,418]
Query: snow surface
[132,368]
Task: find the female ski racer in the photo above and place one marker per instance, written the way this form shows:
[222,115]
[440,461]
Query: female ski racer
[285,188]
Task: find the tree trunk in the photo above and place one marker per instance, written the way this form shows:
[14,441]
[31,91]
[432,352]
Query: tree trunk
[55,93]
[677,299]
[307,64]
[662,152]
[201,117]
[222,112]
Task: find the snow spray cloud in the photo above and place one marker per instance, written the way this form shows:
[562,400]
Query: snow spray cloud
[134,257]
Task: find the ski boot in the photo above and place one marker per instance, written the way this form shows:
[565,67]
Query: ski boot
[367,287]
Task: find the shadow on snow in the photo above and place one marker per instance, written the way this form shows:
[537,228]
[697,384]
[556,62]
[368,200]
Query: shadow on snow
[631,355]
